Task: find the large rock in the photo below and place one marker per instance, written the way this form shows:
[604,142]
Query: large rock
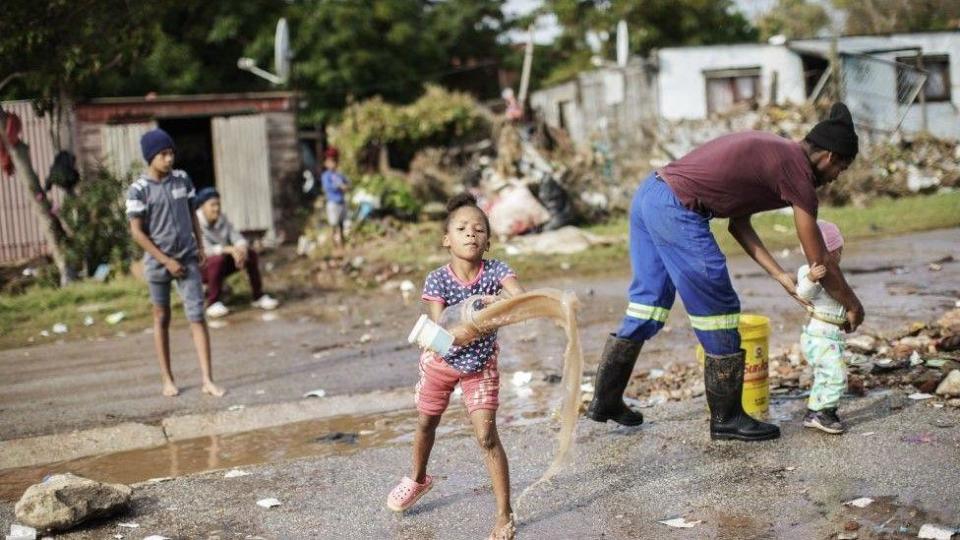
[951,385]
[64,500]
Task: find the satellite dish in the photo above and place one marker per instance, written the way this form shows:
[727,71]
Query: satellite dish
[281,50]
[281,57]
[623,44]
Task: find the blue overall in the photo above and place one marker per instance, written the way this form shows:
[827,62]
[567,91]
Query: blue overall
[671,250]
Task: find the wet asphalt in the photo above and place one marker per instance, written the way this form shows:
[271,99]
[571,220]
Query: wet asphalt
[622,482]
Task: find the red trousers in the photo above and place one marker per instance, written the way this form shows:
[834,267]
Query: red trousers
[220,266]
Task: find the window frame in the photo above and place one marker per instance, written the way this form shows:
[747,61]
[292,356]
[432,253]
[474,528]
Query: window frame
[731,75]
[941,61]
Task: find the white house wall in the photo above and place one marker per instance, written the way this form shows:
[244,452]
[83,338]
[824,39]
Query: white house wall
[610,104]
[682,86]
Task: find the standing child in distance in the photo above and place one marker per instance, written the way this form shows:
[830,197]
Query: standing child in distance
[471,365]
[335,187]
[162,222]
[822,338]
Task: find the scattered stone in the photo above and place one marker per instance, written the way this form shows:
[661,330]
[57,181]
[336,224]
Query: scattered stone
[928,381]
[63,501]
[951,385]
[235,473]
[863,343]
[861,502]
[920,396]
[20,532]
[855,386]
[269,502]
[936,532]
[847,536]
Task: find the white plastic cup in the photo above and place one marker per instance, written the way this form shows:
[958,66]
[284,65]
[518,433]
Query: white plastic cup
[429,335]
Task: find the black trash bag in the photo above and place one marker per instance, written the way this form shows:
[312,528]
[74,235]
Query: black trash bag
[557,201]
[63,172]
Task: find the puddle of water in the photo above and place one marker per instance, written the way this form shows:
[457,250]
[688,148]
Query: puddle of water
[341,435]
[223,451]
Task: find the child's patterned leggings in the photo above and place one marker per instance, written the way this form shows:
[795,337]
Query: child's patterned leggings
[824,352]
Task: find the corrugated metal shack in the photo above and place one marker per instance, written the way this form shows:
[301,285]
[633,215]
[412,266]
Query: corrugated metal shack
[243,144]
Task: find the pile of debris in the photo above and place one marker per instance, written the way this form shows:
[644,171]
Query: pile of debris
[922,359]
[531,180]
[889,165]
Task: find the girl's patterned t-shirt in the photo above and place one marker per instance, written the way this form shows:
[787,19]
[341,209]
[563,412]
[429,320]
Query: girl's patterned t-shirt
[444,287]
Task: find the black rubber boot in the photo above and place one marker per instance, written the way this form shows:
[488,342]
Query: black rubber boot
[613,374]
[724,382]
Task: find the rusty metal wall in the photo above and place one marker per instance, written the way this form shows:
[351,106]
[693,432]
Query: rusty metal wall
[21,233]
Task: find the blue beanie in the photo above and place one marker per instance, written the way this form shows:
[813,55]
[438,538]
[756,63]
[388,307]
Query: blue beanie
[153,142]
[205,195]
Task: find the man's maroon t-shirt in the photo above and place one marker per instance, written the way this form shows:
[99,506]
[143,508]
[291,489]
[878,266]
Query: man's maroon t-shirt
[744,173]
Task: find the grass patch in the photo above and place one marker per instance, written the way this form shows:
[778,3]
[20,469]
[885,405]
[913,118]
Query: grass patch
[416,247]
[24,316]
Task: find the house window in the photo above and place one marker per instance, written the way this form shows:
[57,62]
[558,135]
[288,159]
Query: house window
[728,87]
[937,87]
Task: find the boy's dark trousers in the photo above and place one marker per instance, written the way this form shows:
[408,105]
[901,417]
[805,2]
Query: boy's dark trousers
[219,267]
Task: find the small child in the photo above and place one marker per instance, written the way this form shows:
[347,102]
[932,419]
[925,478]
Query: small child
[822,338]
[471,365]
[335,186]
[162,222]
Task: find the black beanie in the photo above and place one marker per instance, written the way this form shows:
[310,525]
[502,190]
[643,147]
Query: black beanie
[836,133]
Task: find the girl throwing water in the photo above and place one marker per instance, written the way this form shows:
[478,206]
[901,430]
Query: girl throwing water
[472,365]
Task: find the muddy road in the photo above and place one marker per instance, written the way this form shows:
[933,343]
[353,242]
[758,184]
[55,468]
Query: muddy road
[347,344]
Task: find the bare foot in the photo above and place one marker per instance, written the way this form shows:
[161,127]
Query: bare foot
[213,390]
[504,529]
[170,389]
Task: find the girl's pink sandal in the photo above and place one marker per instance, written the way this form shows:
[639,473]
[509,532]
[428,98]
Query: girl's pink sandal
[407,493]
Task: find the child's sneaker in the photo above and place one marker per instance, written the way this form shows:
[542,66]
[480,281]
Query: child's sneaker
[825,420]
[265,302]
[407,493]
[217,310]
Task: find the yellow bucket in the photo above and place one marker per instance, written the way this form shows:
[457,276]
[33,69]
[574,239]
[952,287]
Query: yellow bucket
[755,339]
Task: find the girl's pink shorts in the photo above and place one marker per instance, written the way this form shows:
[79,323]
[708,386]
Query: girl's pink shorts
[481,390]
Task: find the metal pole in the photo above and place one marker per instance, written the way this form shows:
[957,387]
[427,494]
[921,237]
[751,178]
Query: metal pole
[527,64]
[923,93]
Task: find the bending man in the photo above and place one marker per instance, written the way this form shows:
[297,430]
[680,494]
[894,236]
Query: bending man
[672,250]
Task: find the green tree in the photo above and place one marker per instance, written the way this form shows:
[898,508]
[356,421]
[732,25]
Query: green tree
[882,16]
[194,46]
[49,49]
[389,48]
[793,19]
[342,50]
[652,23]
